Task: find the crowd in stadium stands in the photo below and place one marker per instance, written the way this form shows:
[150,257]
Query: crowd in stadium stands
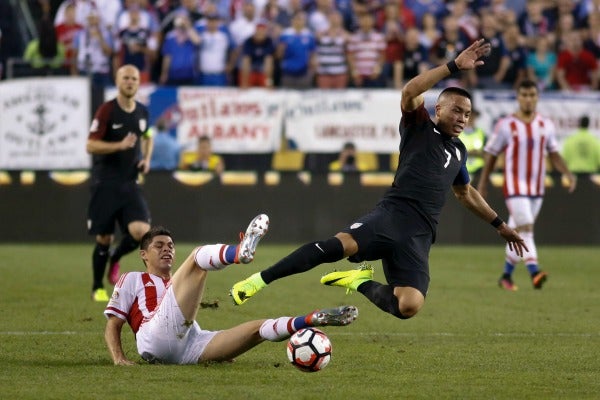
[302,44]
[320,43]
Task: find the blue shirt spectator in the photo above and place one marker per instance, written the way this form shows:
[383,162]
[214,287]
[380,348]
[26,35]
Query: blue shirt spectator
[296,50]
[165,155]
[180,54]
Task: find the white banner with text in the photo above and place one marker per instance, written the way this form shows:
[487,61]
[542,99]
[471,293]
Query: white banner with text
[44,123]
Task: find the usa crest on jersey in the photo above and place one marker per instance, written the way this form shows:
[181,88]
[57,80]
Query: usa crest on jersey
[143,125]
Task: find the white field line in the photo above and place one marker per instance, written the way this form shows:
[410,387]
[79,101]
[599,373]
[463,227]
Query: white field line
[399,334]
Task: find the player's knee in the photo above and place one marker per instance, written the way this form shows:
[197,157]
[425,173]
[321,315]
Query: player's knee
[409,303]
[104,240]
[349,245]
[407,310]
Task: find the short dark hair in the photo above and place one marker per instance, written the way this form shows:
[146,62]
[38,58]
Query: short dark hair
[584,122]
[151,234]
[527,84]
[457,91]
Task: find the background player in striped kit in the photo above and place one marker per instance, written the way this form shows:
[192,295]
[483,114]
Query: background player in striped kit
[525,138]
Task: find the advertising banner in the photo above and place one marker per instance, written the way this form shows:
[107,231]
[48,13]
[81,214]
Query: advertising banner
[44,123]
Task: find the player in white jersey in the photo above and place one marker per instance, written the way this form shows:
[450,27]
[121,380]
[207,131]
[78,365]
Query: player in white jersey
[525,138]
[161,307]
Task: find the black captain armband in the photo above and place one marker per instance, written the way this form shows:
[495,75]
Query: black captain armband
[452,67]
[496,222]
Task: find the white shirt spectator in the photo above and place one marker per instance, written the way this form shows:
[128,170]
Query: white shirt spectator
[108,10]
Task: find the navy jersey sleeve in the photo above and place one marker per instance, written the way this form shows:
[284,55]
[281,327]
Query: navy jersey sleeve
[463,176]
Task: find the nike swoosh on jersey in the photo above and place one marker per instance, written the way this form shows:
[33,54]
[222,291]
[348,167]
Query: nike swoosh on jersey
[117,126]
[436,131]
[319,247]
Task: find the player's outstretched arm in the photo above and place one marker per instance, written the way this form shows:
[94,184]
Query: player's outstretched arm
[412,93]
[471,199]
[112,336]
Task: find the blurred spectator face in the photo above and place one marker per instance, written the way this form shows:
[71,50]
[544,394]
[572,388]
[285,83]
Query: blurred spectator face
[429,21]
[212,23]
[534,10]
[573,42]
[133,5]
[450,26]
[365,22]
[488,25]
[204,148]
[93,20]
[325,4]
[134,16]
[249,9]
[335,19]
[299,21]
[261,32]
[210,8]
[566,23]
[565,6]
[512,34]
[70,14]
[191,5]
[542,44]
[181,22]
[411,38]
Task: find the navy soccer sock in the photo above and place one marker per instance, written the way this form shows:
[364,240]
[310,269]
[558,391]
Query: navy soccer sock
[126,246]
[382,296]
[99,259]
[305,258]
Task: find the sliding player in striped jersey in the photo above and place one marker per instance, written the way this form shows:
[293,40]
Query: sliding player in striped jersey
[525,138]
[161,307]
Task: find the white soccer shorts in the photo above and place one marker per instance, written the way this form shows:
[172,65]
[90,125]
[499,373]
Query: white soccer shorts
[166,338]
[523,210]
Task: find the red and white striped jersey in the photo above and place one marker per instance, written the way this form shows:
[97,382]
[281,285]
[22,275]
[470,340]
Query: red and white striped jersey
[135,297]
[525,146]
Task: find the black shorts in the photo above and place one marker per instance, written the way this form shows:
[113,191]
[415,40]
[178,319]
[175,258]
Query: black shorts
[110,203]
[401,238]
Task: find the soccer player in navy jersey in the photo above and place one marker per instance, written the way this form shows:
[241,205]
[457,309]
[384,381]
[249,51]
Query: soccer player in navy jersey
[401,228]
[120,142]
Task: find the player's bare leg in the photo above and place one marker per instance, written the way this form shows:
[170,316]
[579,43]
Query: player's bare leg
[230,343]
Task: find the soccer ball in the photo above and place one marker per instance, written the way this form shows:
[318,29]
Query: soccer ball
[309,350]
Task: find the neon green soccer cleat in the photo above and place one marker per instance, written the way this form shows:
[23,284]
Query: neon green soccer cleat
[243,290]
[100,295]
[351,279]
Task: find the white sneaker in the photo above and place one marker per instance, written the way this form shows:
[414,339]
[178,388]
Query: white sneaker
[257,228]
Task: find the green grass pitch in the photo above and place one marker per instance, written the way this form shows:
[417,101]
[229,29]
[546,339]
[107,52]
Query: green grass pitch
[470,341]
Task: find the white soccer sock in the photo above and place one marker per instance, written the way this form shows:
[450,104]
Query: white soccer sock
[531,256]
[276,330]
[511,256]
[211,257]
